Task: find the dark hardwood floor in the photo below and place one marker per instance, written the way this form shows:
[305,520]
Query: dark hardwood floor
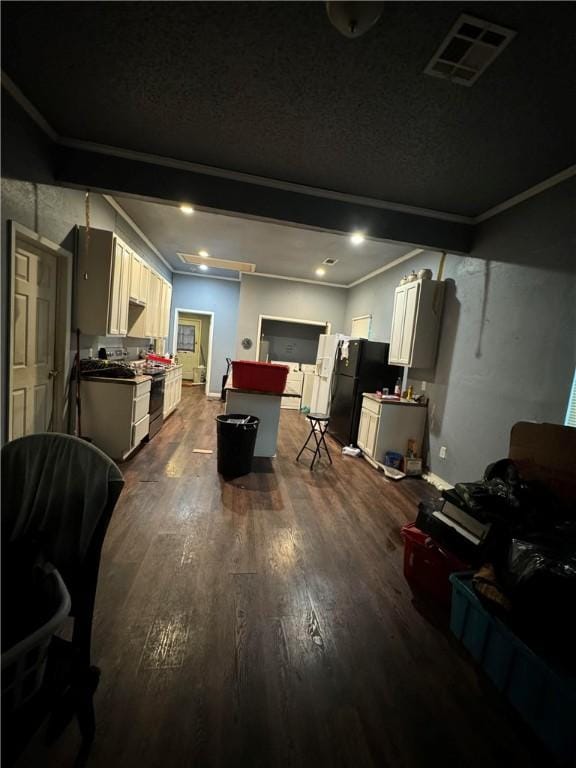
[266,621]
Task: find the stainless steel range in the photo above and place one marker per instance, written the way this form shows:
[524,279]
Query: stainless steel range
[156,408]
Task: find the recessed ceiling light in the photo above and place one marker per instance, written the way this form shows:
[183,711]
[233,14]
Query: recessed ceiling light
[204,254]
[320,271]
[187,209]
[203,267]
[356,238]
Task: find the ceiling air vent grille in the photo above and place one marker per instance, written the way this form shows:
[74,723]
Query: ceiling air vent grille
[468,50]
[329,262]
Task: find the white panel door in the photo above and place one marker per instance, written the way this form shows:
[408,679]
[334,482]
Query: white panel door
[33,338]
[125,290]
[362,439]
[412,291]
[135,277]
[144,282]
[114,305]
[398,314]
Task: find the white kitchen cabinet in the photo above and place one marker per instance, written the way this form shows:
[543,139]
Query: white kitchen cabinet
[388,425]
[135,277]
[103,284]
[139,273]
[294,384]
[368,429]
[145,272]
[152,307]
[115,413]
[167,307]
[118,293]
[172,389]
[416,323]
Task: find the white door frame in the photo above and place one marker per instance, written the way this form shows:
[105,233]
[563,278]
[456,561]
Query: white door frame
[186,311]
[299,320]
[62,326]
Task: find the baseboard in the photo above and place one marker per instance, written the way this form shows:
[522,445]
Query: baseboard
[437,481]
[213,395]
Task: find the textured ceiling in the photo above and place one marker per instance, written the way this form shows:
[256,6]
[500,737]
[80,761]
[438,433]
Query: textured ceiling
[274,248]
[272,89]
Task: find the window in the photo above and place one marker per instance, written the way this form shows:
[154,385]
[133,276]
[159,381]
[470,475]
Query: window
[570,420]
[186,338]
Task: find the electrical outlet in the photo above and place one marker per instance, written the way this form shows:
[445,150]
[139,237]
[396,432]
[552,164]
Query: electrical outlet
[423,386]
[442,452]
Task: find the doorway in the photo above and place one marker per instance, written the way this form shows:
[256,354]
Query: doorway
[40,319]
[192,344]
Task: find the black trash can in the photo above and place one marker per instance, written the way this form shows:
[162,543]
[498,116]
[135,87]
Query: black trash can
[236,440]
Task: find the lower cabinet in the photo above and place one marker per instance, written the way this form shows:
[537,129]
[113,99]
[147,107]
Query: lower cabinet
[294,384]
[115,414]
[172,389]
[368,431]
[388,426]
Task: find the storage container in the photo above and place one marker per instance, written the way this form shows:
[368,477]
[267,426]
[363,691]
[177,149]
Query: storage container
[541,695]
[260,377]
[427,567]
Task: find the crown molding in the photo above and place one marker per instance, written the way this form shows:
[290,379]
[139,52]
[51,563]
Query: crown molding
[295,279]
[558,178]
[45,126]
[386,267]
[129,220]
[28,107]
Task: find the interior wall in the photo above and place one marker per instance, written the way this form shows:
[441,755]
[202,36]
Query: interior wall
[292,342]
[286,299]
[507,348]
[209,295]
[54,212]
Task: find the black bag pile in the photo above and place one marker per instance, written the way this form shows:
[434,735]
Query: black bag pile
[527,563]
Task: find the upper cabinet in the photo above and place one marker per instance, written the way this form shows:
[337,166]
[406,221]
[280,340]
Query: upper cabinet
[118,293]
[416,323]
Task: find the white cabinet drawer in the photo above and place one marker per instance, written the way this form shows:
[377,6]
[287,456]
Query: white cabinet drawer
[371,405]
[140,430]
[142,389]
[140,407]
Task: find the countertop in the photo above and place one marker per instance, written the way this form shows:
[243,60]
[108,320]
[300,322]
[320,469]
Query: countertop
[411,404]
[230,388]
[111,380]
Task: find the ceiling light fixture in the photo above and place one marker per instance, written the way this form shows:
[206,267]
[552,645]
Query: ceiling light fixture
[187,209]
[204,254]
[203,267]
[320,271]
[357,238]
[354,19]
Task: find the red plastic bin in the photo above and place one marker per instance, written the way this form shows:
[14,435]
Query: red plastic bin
[427,566]
[261,377]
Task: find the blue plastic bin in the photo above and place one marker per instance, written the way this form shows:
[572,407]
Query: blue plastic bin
[545,699]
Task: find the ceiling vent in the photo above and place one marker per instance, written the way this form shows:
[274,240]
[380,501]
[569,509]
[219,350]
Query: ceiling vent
[468,50]
[237,266]
[329,262]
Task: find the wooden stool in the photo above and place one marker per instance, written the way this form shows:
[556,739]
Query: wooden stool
[319,425]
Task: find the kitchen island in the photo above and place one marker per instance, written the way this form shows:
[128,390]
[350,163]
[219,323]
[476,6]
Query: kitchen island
[265,406]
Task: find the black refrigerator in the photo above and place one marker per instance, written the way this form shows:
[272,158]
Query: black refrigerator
[363,369]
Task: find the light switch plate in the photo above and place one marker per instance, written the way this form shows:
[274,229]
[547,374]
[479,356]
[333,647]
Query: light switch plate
[442,452]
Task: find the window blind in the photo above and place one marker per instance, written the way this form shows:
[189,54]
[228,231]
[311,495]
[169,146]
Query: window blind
[570,420]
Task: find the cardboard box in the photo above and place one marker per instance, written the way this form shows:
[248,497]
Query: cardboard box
[412,467]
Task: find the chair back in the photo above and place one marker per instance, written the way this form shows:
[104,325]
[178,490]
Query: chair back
[58,494]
